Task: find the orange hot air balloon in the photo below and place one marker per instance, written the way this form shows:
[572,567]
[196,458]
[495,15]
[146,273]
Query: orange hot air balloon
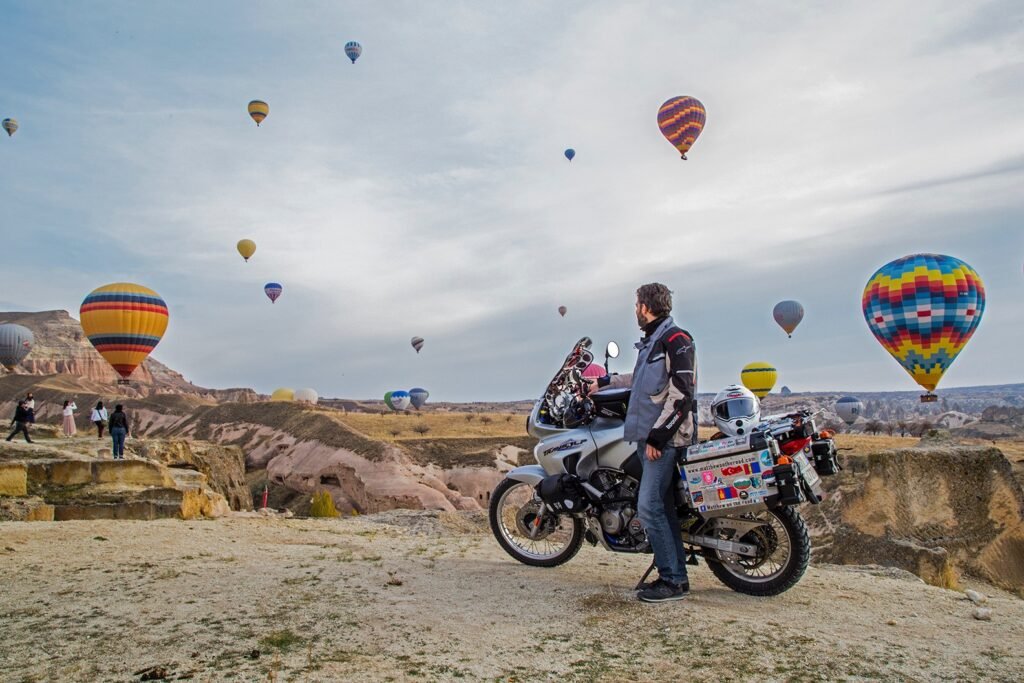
[681,120]
[124,322]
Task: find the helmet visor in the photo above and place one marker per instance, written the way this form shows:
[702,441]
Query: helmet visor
[735,408]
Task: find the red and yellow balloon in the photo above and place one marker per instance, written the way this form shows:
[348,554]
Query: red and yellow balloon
[125,322]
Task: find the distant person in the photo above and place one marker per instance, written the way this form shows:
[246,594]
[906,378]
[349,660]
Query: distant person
[30,406]
[69,418]
[99,418]
[118,430]
[20,422]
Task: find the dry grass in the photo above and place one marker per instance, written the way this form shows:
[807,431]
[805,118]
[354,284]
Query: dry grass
[442,425]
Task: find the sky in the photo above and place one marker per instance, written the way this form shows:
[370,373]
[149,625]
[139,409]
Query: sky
[423,190]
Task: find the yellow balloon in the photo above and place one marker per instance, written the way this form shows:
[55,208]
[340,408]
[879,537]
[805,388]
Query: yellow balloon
[246,248]
[759,378]
[283,394]
[258,110]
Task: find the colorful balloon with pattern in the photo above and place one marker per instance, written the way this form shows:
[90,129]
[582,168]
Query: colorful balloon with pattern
[283,394]
[681,120]
[418,397]
[788,315]
[562,310]
[246,248]
[273,291]
[11,126]
[417,343]
[15,343]
[570,153]
[258,110]
[353,50]
[924,309]
[125,322]
[849,408]
[759,377]
[399,400]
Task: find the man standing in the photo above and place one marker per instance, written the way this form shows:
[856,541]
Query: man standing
[661,420]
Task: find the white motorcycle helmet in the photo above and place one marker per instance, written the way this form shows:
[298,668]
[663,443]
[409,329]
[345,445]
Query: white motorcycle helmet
[736,410]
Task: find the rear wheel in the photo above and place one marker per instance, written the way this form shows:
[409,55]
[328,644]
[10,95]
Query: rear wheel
[547,541]
[784,549]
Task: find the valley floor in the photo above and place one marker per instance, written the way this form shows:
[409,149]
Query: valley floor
[430,596]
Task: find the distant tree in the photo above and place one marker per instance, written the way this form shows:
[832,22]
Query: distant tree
[486,419]
[889,428]
[470,417]
[919,429]
[421,429]
[903,427]
[508,418]
[394,432]
[873,426]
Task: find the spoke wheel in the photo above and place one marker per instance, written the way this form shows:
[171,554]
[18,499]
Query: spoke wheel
[546,541]
[783,551]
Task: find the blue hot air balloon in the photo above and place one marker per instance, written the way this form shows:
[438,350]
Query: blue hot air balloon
[353,50]
[273,291]
[400,400]
[570,153]
[418,397]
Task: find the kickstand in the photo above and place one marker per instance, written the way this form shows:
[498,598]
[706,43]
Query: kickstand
[644,577]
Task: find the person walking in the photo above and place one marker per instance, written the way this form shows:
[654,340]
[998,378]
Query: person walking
[30,407]
[118,430]
[661,420]
[69,418]
[99,418]
[20,422]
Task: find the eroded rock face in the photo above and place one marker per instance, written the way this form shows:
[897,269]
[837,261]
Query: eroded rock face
[936,510]
[224,466]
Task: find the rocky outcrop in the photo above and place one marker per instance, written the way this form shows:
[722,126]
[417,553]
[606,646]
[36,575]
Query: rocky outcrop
[997,422]
[935,510]
[223,466]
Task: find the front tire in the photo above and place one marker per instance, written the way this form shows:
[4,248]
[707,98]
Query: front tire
[790,550]
[512,513]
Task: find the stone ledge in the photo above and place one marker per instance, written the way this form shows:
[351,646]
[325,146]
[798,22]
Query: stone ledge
[13,479]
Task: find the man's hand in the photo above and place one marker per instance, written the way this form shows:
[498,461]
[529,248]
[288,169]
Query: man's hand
[653,453]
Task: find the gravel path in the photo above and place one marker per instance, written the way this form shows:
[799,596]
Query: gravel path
[430,596]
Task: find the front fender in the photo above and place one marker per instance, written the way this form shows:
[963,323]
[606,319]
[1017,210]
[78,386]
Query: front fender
[529,474]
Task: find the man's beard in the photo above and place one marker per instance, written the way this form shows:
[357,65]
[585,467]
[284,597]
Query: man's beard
[640,321]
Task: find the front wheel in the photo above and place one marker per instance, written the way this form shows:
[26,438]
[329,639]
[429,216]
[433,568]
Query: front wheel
[548,541]
[784,549]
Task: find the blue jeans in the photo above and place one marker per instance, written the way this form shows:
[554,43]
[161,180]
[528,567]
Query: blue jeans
[657,511]
[118,434]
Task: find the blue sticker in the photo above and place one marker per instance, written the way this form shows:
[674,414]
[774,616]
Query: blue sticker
[766,459]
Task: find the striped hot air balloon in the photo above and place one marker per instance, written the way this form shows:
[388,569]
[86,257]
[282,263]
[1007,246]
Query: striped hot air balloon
[924,309]
[418,396]
[759,377]
[258,110]
[273,290]
[125,322]
[353,50]
[417,343]
[681,120]
[10,125]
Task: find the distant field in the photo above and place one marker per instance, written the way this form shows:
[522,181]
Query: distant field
[396,426]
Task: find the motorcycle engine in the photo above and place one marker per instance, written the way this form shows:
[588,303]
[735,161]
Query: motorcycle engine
[619,520]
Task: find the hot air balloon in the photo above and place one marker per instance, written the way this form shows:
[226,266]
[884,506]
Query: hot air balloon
[570,153]
[258,110]
[562,310]
[283,394]
[788,315]
[124,322]
[307,396]
[417,343]
[400,400]
[10,125]
[681,120]
[272,290]
[759,378]
[923,309]
[246,248]
[353,50]
[593,371]
[387,400]
[849,408]
[418,397]
[15,343]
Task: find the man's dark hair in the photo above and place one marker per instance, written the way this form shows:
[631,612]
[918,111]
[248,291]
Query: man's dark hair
[118,408]
[657,297]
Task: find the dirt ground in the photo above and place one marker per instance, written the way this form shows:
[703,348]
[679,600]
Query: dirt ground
[430,596]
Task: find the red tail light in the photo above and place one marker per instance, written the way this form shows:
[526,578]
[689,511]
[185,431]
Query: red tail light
[794,446]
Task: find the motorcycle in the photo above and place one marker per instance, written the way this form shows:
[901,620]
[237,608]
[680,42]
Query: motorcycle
[736,497]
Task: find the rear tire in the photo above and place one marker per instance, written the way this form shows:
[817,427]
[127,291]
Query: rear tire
[498,513]
[794,566]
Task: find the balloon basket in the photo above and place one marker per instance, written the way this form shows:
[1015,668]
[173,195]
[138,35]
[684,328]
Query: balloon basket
[929,398]
[123,383]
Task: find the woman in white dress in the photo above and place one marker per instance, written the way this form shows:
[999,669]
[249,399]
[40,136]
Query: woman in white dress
[69,418]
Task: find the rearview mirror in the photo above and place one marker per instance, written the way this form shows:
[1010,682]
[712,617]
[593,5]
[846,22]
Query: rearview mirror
[612,350]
